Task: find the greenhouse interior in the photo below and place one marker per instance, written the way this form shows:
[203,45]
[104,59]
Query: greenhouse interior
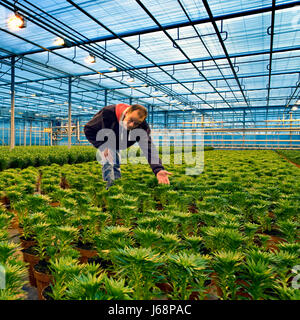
[205,206]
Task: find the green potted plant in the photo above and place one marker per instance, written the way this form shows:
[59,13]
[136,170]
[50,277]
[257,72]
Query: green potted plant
[226,265]
[64,269]
[194,243]
[258,276]
[169,242]
[86,241]
[140,266]
[187,273]
[147,237]
[290,229]
[41,271]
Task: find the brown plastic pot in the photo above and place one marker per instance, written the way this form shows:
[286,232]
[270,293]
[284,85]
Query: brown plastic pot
[213,289]
[27,243]
[242,291]
[43,295]
[32,260]
[164,287]
[14,223]
[55,204]
[273,242]
[43,280]
[86,254]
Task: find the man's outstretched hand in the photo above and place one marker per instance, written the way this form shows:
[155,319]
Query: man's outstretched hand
[162,177]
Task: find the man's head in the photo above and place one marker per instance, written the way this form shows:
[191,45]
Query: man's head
[134,116]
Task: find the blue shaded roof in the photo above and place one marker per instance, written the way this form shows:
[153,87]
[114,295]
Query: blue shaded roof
[192,55]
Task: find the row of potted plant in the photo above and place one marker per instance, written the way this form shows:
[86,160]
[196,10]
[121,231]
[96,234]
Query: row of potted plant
[12,270]
[292,155]
[22,157]
[206,218]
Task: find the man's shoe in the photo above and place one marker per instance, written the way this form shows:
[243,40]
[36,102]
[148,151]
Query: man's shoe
[109,184]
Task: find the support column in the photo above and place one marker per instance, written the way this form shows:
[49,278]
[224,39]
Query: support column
[244,127]
[78,131]
[152,119]
[41,135]
[51,132]
[12,97]
[105,97]
[30,132]
[291,118]
[166,119]
[69,113]
[24,132]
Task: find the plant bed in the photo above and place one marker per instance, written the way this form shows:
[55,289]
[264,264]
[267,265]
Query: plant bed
[245,227]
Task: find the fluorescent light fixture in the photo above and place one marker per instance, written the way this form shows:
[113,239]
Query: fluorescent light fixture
[90,59]
[16,22]
[113,68]
[130,79]
[145,85]
[294,108]
[33,95]
[62,42]
[173,101]
[165,95]
[156,93]
[59,42]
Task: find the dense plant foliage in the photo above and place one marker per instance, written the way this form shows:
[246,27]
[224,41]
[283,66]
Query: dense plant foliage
[23,157]
[234,227]
[293,155]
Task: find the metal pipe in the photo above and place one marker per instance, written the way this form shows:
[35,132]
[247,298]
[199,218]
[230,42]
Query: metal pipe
[24,132]
[105,97]
[30,132]
[271,53]
[168,27]
[69,112]
[12,93]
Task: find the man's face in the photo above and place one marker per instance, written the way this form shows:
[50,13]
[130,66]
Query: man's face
[132,120]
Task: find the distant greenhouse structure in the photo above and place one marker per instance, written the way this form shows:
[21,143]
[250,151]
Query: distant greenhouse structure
[228,68]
